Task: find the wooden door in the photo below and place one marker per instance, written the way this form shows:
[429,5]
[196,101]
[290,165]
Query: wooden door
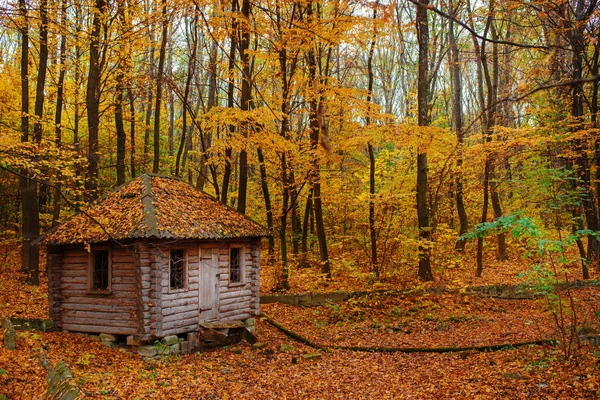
[208,288]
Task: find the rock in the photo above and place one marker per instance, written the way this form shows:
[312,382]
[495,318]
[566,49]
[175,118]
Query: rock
[162,350]
[174,349]
[312,356]
[108,344]
[236,350]
[512,375]
[286,348]
[184,347]
[170,340]
[10,335]
[250,324]
[593,339]
[258,346]
[134,340]
[147,351]
[107,337]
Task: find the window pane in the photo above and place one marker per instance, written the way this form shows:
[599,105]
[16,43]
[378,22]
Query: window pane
[235,270]
[100,271]
[177,272]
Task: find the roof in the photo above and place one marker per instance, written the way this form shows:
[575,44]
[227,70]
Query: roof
[152,206]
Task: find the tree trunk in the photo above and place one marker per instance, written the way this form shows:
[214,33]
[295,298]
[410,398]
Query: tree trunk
[159,86]
[42,195]
[425,273]
[30,216]
[457,118]
[92,99]
[118,103]
[371,151]
[245,100]
[131,132]
[268,207]
[59,107]
[186,94]
[315,125]
[230,102]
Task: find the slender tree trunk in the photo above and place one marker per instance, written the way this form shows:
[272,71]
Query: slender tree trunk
[59,107]
[131,132]
[594,120]
[230,103]
[159,86]
[118,103]
[186,94]
[457,117]
[425,273]
[93,99]
[40,86]
[268,207]
[371,151]
[285,271]
[28,187]
[245,100]
[315,124]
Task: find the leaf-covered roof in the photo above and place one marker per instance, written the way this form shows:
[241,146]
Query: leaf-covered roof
[152,206]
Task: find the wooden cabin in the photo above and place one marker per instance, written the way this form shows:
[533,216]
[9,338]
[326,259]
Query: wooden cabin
[155,257]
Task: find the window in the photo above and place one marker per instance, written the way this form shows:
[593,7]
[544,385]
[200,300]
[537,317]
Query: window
[100,270]
[235,265]
[177,269]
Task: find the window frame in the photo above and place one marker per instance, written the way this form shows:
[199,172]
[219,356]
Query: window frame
[185,278]
[91,270]
[242,265]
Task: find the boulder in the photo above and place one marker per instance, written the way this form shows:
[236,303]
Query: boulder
[286,348]
[312,356]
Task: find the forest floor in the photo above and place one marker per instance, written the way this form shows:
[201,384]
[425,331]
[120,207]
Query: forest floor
[382,320]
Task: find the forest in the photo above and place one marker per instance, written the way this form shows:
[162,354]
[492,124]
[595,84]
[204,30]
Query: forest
[410,145]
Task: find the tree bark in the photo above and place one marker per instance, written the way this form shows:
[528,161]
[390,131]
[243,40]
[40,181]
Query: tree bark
[245,100]
[59,108]
[118,103]
[422,24]
[28,187]
[93,99]
[230,101]
[159,86]
[371,151]
[457,118]
[315,126]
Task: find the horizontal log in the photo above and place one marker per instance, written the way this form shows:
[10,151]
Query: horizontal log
[235,306]
[179,326]
[180,308]
[74,272]
[75,258]
[228,294]
[181,304]
[123,270]
[74,279]
[188,315]
[123,279]
[122,258]
[99,329]
[110,314]
[233,315]
[233,300]
[118,308]
[108,301]
[100,322]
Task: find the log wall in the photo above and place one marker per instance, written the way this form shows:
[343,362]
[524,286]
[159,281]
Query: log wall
[179,307]
[238,301]
[140,301]
[83,310]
